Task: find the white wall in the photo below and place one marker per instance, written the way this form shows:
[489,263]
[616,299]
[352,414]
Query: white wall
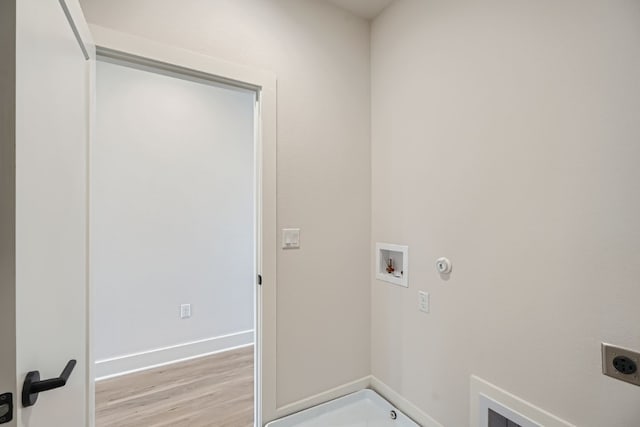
[320,55]
[172,213]
[505,136]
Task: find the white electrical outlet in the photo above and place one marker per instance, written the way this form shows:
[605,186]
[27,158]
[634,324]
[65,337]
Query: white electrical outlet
[423,301]
[185,311]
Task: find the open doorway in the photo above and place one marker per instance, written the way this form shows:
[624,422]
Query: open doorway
[173,247]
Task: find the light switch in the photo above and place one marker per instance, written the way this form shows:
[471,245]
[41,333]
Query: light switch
[290,238]
[423,301]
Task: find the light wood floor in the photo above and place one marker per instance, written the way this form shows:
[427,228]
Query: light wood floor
[213,391]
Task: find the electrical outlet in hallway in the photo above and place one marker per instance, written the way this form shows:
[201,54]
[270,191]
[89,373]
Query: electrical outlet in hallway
[185,311]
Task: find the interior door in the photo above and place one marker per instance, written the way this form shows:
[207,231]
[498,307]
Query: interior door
[52,93]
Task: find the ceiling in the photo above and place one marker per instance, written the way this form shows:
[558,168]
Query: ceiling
[368,9]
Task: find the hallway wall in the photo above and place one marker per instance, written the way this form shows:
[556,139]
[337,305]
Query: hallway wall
[172,218]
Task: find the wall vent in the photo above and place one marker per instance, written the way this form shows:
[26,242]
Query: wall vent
[492,406]
[493,414]
[497,420]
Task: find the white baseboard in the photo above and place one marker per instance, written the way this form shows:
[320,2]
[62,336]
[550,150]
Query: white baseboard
[334,393]
[116,366]
[408,408]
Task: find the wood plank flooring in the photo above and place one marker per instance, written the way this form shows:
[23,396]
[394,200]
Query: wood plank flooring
[212,391]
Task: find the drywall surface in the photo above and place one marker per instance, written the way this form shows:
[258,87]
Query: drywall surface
[320,55]
[506,138]
[172,210]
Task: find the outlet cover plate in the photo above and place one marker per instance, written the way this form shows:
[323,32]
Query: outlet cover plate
[610,352]
[185,311]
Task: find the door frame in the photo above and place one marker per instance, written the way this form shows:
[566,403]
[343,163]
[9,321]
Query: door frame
[117,45]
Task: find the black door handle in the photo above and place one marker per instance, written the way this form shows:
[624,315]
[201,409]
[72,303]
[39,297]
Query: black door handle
[32,384]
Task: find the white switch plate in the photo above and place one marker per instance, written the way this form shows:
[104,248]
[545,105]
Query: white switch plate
[290,238]
[185,311]
[423,301]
